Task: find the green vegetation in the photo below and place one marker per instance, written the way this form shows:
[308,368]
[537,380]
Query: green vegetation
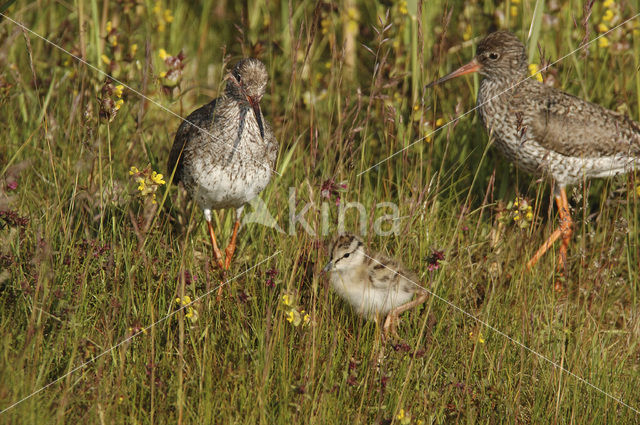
[87,259]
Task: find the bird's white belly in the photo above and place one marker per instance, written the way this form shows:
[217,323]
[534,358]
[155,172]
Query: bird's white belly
[367,300]
[229,188]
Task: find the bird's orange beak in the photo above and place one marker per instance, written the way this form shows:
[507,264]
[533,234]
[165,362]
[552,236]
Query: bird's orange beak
[472,66]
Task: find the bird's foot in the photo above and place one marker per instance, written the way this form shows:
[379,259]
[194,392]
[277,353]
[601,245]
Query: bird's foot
[389,328]
[223,281]
[558,285]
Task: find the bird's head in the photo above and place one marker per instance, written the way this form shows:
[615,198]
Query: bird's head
[247,82]
[500,56]
[347,252]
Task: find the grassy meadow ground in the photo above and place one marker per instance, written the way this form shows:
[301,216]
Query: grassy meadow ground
[89,262]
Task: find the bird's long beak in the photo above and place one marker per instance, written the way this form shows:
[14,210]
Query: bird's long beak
[328,267]
[256,110]
[472,66]
[254,104]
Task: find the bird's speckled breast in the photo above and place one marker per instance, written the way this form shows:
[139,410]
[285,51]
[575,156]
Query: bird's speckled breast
[235,163]
[508,129]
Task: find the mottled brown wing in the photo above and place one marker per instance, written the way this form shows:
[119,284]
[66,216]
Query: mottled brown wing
[574,127]
[200,118]
[386,273]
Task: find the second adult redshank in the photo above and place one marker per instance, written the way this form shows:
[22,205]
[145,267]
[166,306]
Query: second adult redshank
[545,131]
[224,152]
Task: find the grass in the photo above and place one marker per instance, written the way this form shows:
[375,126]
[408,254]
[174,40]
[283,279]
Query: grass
[87,262]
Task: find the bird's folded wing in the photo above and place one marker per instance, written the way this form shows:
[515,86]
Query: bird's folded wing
[574,127]
[199,119]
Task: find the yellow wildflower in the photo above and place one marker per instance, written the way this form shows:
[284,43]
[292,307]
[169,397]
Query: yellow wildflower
[608,3]
[324,24]
[603,42]
[439,122]
[293,317]
[163,74]
[480,338]
[178,300]
[515,1]
[109,26]
[105,59]
[517,217]
[163,54]
[186,300]
[353,13]
[602,28]
[168,17]
[468,32]
[352,20]
[118,104]
[608,15]
[286,299]
[402,7]
[404,418]
[529,216]
[141,184]
[513,11]
[157,7]
[533,69]
[117,90]
[133,170]
[157,178]
[133,49]
[416,107]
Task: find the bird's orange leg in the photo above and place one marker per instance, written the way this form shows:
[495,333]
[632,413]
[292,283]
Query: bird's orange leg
[393,316]
[231,248]
[566,227]
[554,236]
[216,251]
[544,248]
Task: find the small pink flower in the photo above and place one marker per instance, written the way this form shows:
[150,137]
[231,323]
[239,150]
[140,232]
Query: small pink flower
[331,189]
[12,185]
[433,261]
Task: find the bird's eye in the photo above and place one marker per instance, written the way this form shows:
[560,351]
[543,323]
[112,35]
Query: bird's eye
[347,255]
[493,56]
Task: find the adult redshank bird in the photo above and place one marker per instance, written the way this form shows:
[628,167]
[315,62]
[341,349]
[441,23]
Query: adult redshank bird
[224,152]
[545,131]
